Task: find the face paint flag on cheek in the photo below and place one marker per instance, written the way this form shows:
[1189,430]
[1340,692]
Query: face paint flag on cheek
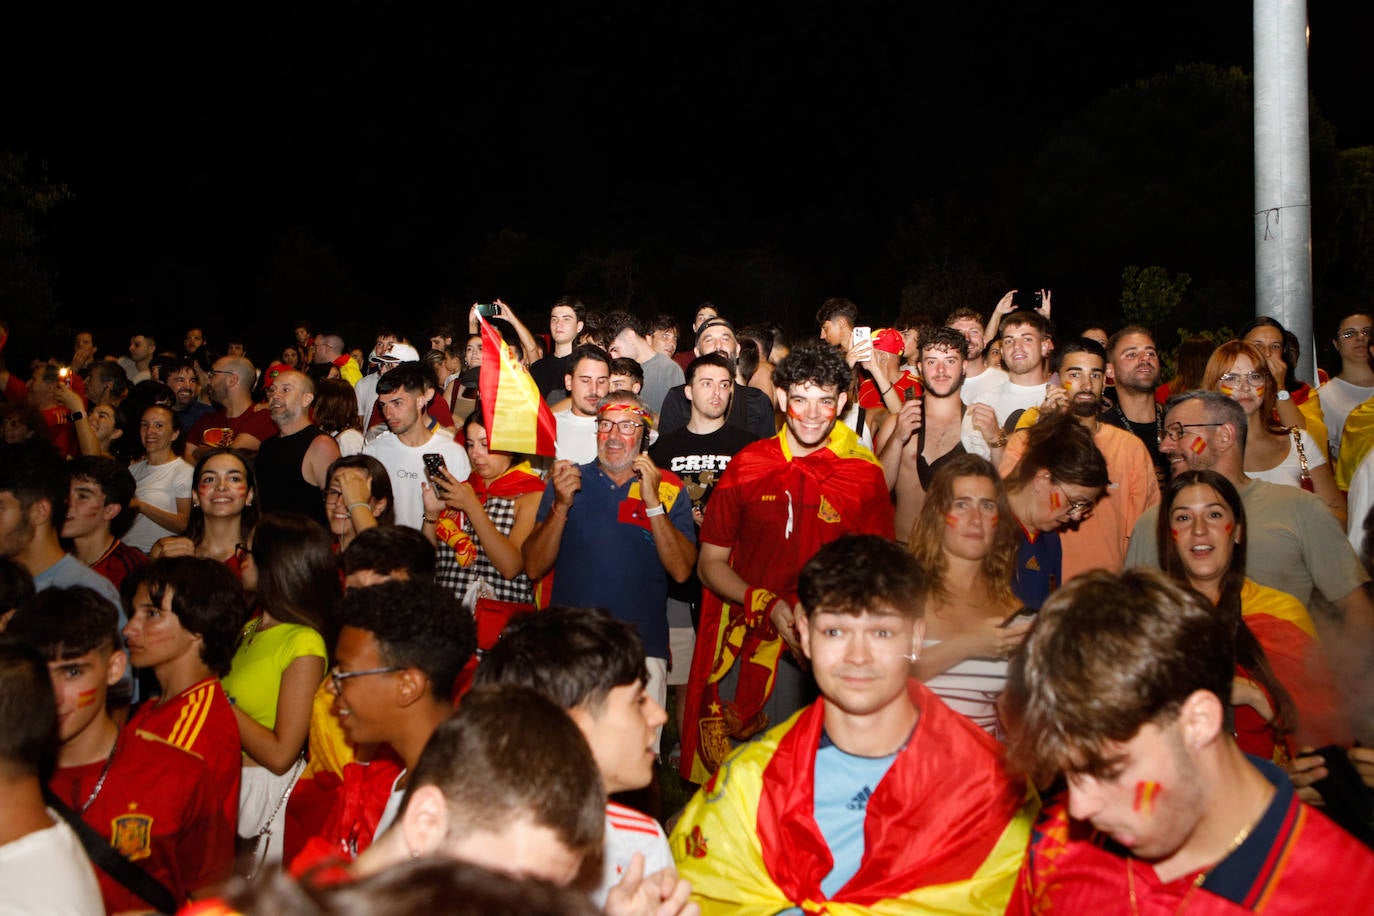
[86,698]
[1198,447]
[951,519]
[1055,501]
[1146,794]
[1229,392]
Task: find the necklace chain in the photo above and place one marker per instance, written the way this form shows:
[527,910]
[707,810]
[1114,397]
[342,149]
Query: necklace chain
[100,782]
[1201,878]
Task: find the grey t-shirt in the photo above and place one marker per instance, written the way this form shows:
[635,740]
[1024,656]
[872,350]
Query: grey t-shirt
[1294,543]
[660,374]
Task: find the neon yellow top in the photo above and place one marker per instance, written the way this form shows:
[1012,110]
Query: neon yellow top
[254,680]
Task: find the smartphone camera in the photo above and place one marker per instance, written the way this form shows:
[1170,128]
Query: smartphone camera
[488,309]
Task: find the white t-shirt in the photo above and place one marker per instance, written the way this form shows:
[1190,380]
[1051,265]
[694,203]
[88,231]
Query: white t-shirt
[366,393]
[1338,397]
[1010,397]
[629,832]
[576,437]
[47,873]
[158,485]
[1359,500]
[981,384]
[406,466]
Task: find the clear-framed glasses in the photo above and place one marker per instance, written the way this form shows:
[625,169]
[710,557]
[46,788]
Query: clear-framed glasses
[1176,431]
[1232,379]
[627,427]
[1076,506]
[1352,333]
[337,677]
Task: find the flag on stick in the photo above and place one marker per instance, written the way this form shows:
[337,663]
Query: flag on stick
[517,418]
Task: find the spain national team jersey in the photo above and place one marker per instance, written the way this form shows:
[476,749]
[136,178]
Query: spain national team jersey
[159,809]
[200,720]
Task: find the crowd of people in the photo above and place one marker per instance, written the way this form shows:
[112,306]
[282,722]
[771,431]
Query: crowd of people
[961,614]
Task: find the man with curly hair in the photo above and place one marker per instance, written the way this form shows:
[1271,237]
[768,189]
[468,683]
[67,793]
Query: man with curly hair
[777,503]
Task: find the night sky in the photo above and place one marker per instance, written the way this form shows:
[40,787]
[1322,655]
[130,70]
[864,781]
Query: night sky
[364,163]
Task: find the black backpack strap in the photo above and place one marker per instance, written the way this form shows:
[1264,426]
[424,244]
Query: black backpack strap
[135,879]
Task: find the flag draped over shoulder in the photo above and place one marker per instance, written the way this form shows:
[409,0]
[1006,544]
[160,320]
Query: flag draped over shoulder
[516,417]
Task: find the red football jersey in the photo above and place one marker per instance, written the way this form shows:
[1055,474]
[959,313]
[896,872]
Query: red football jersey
[201,720]
[158,807]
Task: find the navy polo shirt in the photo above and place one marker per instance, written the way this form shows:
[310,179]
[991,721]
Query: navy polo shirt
[607,557]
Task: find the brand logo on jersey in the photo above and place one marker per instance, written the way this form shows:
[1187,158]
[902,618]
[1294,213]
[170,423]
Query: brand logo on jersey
[860,800]
[131,835]
[1033,564]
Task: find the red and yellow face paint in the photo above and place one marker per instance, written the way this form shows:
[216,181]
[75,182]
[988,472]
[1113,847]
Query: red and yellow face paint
[87,698]
[1055,500]
[951,519]
[1146,795]
[1198,447]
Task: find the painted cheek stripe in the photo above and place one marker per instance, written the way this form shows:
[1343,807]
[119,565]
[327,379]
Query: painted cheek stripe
[1146,794]
[1055,501]
[1198,447]
[86,698]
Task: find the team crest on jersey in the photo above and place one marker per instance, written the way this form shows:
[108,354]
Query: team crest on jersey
[694,843]
[131,835]
[828,513]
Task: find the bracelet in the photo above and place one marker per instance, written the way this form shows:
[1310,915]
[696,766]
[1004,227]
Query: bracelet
[428,520]
[655,511]
[1000,441]
[76,415]
[351,506]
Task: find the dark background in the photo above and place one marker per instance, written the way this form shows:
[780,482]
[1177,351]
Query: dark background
[360,164]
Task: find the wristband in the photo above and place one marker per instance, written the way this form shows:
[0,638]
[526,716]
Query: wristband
[428,520]
[351,506]
[78,415]
[758,606]
[655,511]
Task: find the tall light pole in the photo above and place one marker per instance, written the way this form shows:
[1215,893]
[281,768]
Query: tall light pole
[1283,192]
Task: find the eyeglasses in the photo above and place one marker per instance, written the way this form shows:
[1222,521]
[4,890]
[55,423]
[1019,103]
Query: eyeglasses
[332,494]
[1232,379]
[337,677]
[1352,333]
[223,372]
[1076,506]
[1175,431]
[627,427]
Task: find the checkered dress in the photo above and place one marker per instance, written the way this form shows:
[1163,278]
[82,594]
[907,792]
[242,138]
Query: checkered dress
[501,511]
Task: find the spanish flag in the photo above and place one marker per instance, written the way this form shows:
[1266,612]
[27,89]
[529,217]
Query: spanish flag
[516,416]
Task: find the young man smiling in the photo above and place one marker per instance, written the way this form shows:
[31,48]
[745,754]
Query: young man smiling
[876,798]
[778,502]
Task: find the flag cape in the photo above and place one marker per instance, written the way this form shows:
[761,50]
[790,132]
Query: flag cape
[945,830]
[836,490]
[517,419]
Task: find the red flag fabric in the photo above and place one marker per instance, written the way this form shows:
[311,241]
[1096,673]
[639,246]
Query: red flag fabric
[516,416]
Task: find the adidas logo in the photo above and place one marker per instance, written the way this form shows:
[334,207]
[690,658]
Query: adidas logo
[860,800]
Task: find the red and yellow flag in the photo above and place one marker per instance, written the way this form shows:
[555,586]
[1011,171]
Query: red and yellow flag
[516,416]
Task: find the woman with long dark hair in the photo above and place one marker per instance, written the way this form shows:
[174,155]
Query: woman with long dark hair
[223,510]
[357,496]
[1283,691]
[290,570]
